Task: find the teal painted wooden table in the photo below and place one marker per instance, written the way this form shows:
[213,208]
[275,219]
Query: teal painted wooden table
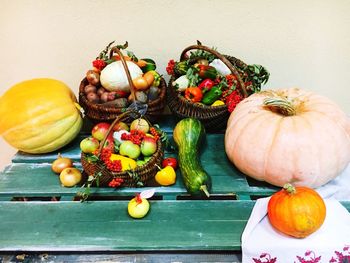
[50,220]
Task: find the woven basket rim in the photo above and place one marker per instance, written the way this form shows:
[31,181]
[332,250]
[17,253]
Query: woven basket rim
[100,107]
[234,61]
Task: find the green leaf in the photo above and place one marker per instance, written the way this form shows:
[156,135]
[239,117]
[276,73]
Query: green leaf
[132,56]
[123,46]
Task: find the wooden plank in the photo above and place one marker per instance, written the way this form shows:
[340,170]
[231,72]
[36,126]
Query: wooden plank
[105,226]
[215,257]
[30,175]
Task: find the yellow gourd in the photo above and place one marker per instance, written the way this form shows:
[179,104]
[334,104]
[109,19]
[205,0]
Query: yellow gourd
[39,115]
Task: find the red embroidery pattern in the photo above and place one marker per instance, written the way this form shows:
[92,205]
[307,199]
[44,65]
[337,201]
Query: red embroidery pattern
[265,258]
[341,257]
[309,257]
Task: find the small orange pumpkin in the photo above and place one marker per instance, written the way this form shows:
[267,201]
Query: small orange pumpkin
[296,211]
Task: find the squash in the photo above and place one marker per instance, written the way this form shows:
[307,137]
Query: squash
[188,134]
[127,163]
[39,115]
[288,136]
[296,211]
[113,76]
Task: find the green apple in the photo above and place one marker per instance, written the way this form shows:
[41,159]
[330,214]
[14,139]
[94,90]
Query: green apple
[148,146]
[140,124]
[128,148]
[89,145]
[138,207]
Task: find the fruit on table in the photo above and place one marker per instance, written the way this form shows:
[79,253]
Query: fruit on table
[166,176]
[289,135]
[128,148]
[39,115]
[89,145]
[127,163]
[296,211]
[60,164]
[170,161]
[188,135]
[113,76]
[70,177]
[139,206]
[99,131]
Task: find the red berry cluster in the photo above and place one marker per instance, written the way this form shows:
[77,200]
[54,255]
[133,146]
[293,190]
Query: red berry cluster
[135,136]
[115,165]
[99,64]
[154,132]
[232,100]
[231,80]
[105,154]
[170,67]
[116,182]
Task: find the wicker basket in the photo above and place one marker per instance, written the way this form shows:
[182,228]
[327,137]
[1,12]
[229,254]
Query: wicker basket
[214,118]
[132,178]
[99,112]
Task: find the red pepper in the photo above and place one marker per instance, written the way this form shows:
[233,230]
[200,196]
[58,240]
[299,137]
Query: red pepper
[207,72]
[206,85]
[193,94]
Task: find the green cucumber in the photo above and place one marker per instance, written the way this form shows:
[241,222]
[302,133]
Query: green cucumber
[188,134]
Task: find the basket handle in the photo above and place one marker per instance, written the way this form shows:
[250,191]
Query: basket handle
[119,117]
[222,58]
[125,66]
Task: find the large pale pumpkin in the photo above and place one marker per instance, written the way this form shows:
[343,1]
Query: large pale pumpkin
[288,136]
[39,116]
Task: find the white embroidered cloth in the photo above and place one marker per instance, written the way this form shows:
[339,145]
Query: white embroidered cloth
[261,243]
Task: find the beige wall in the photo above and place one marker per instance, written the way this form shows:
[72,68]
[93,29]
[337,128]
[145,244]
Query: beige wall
[302,43]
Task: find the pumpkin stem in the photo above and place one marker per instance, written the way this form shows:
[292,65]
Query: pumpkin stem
[289,188]
[280,105]
[205,190]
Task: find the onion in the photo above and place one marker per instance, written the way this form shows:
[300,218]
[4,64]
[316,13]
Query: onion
[70,177]
[60,164]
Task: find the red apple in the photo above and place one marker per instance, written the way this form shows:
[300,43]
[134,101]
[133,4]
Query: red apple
[109,143]
[148,146]
[89,145]
[138,207]
[120,126]
[99,131]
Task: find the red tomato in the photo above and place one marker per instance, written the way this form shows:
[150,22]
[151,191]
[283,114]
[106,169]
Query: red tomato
[171,161]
